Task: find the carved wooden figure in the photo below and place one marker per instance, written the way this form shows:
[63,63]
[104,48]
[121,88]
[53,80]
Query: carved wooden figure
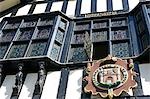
[41,78]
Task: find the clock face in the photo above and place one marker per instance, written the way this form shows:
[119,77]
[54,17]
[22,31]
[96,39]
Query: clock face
[109,76]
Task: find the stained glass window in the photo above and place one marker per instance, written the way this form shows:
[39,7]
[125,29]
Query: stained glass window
[37,49]
[29,24]
[45,22]
[119,34]
[3,50]
[43,33]
[12,26]
[100,25]
[99,36]
[17,51]
[25,35]
[120,50]
[7,36]
[118,23]
[55,52]
[77,54]
[59,36]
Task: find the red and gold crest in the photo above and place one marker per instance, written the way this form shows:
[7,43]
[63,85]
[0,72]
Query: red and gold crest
[110,76]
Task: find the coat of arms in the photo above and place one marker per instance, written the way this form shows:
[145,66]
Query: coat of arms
[110,76]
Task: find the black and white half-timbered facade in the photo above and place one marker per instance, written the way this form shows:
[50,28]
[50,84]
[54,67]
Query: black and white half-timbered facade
[43,53]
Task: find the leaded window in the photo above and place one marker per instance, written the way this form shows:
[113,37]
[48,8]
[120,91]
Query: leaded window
[62,25]
[45,22]
[119,34]
[82,27]
[55,52]
[17,51]
[43,33]
[29,24]
[120,50]
[118,23]
[3,50]
[100,25]
[78,38]
[99,36]
[37,49]
[12,26]
[59,36]
[25,34]
[7,35]
[77,54]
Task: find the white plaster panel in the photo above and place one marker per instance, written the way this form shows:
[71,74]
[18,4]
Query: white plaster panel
[23,10]
[28,86]
[74,86]
[86,6]
[71,8]
[40,8]
[6,88]
[117,5]
[50,88]
[145,78]
[101,5]
[56,6]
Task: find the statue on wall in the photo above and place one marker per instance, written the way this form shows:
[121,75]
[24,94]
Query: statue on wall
[41,78]
[19,80]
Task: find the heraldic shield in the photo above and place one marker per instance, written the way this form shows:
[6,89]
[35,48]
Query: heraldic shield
[110,76]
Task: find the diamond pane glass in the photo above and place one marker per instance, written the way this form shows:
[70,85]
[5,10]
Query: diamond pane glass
[119,34]
[121,50]
[77,54]
[3,50]
[25,35]
[37,49]
[59,36]
[43,33]
[99,36]
[7,36]
[17,51]
[55,52]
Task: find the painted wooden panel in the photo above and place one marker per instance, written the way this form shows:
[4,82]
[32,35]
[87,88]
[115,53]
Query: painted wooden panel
[74,87]
[6,88]
[28,86]
[50,88]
